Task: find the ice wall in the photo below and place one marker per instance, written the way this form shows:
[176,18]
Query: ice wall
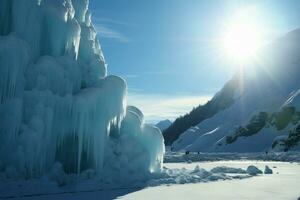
[57,102]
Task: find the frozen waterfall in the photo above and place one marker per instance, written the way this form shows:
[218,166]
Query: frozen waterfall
[57,102]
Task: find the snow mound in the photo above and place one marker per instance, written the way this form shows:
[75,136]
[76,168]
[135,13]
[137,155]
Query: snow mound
[224,169]
[60,112]
[184,176]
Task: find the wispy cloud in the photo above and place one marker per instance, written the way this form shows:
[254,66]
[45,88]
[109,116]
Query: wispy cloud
[133,90]
[106,32]
[157,107]
[159,72]
[109,28]
[102,20]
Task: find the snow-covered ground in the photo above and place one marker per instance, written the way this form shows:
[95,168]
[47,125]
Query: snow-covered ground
[87,183]
[174,157]
[282,184]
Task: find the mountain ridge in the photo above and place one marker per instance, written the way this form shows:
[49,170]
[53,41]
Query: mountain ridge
[263,87]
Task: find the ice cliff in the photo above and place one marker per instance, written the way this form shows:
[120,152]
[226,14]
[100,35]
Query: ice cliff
[57,103]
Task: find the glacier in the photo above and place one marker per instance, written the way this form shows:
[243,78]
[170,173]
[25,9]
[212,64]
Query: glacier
[59,108]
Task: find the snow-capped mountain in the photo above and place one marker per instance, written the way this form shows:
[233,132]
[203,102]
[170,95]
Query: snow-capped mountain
[264,113]
[58,107]
[163,125]
[219,102]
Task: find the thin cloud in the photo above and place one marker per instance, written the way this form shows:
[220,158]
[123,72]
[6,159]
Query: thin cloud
[110,21]
[108,28]
[106,32]
[133,90]
[159,107]
[159,72]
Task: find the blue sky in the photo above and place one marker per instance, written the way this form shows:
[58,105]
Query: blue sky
[167,50]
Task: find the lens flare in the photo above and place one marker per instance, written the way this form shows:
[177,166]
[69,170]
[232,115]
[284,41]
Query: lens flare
[243,37]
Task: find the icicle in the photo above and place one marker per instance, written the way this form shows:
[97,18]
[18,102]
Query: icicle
[57,103]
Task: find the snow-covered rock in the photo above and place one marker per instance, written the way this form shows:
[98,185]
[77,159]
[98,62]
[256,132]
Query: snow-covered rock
[252,170]
[268,170]
[57,103]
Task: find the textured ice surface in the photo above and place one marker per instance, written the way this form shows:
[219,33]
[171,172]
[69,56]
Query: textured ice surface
[60,112]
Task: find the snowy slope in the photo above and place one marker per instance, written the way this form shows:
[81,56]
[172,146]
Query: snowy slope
[59,110]
[270,83]
[222,100]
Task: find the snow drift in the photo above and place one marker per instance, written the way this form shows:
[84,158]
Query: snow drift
[57,103]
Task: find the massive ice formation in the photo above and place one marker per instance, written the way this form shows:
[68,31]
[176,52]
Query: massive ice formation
[57,102]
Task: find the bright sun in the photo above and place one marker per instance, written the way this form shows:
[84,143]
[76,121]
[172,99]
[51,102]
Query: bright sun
[243,37]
